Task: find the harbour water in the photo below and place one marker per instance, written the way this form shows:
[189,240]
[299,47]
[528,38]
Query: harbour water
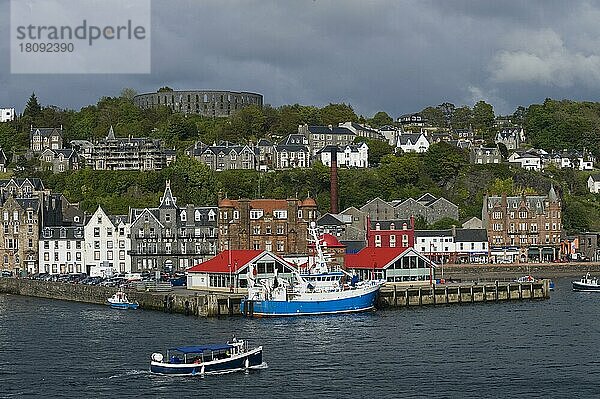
[509,349]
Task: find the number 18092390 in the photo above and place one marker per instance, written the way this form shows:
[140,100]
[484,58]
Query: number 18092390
[46,47]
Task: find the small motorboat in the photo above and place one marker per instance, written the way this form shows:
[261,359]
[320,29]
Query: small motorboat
[120,301]
[587,283]
[208,359]
[525,279]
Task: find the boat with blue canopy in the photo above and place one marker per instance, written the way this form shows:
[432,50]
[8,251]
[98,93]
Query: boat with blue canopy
[208,359]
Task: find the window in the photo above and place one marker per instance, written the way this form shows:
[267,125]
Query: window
[377,240]
[183,216]
[109,255]
[255,229]
[280,229]
[256,245]
[121,255]
[109,244]
[197,216]
[109,231]
[96,231]
[280,246]
[46,244]
[96,255]
[280,214]
[167,218]
[96,244]
[77,244]
[256,214]
[392,241]
[236,214]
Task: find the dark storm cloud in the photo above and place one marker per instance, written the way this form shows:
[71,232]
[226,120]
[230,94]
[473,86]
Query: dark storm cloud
[377,55]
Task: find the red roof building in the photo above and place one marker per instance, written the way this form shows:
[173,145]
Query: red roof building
[391,264]
[227,271]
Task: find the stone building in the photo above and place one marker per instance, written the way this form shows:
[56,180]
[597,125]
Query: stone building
[292,152]
[19,235]
[201,102]
[321,136]
[511,137]
[43,137]
[227,156]
[59,160]
[129,153]
[278,226]
[523,228]
[484,156]
[170,237]
[427,206]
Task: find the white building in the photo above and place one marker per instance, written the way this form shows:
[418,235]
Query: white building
[593,184]
[413,142]
[350,156]
[7,114]
[61,250]
[453,245]
[391,134]
[107,244]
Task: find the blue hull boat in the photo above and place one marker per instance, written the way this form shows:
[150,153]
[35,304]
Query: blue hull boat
[354,300]
[119,301]
[128,305]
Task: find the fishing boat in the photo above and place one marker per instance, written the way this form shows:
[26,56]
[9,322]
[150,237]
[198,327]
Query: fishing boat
[318,290]
[587,283]
[120,301]
[208,359]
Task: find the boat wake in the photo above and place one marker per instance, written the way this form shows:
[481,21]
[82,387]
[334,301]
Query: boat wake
[129,373]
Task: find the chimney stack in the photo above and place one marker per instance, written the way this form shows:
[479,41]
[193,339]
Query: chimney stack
[333,208]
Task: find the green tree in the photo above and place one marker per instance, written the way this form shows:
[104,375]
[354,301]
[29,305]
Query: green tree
[435,116]
[33,110]
[443,224]
[381,118]
[443,161]
[483,116]
[461,118]
[333,114]
[128,93]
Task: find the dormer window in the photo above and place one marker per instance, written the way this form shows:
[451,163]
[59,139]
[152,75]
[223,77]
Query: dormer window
[392,226]
[183,216]
[197,216]
[47,233]
[63,233]
[377,226]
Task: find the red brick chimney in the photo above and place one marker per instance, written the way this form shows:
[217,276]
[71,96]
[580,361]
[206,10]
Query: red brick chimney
[333,208]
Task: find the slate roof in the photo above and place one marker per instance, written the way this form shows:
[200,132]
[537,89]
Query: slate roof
[595,178]
[386,224]
[471,235]
[69,233]
[332,130]
[433,233]
[407,138]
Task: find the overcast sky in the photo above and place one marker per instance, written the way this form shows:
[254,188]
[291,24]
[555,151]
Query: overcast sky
[395,56]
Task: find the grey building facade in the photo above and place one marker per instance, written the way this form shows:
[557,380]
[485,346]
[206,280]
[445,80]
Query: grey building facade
[170,237]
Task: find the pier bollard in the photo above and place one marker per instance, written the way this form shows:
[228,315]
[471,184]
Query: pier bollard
[496,291]
[395,297]
[459,295]
[406,296]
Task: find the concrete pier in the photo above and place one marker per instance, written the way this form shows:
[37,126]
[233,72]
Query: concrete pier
[202,304]
[401,296]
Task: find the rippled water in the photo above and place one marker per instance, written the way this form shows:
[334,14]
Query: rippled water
[516,349]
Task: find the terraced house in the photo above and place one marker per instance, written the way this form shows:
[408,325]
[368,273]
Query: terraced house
[170,237]
[523,228]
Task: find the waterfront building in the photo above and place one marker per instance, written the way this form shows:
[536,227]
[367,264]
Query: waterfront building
[278,226]
[171,238]
[453,245]
[394,265]
[7,114]
[19,235]
[228,270]
[202,102]
[41,138]
[129,153]
[61,250]
[391,233]
[107,244]
[522,228]
[428,207]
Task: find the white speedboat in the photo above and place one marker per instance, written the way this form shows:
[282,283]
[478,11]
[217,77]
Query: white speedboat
[587,283]
[120,301]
